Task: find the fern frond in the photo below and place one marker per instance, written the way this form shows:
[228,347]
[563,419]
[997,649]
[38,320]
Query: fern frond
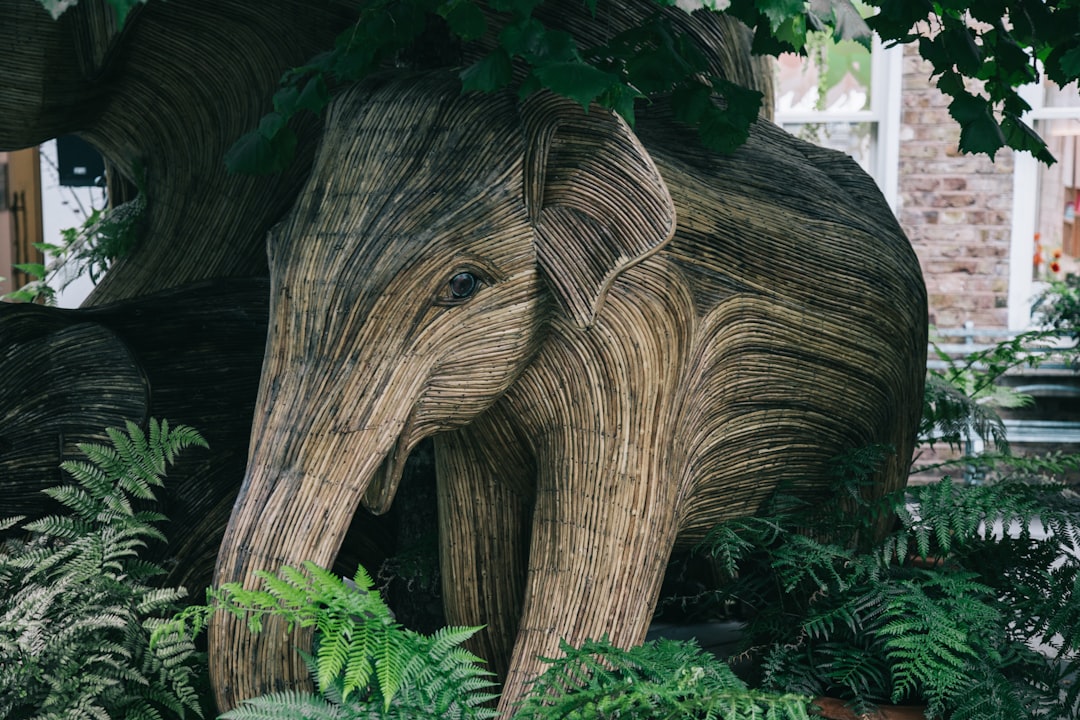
[659,679]
[90,477]
[6,523]
[287,705]
[60,527]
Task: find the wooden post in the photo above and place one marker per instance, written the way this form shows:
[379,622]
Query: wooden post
[20,216]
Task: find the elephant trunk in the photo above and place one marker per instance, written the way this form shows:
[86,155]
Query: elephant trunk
[296,504]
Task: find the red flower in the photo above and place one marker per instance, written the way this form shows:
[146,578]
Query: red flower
[1055,266]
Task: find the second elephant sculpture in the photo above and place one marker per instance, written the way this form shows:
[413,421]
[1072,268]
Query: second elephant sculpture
[618,340]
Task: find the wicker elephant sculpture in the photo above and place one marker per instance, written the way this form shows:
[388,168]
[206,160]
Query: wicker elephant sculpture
[617,339]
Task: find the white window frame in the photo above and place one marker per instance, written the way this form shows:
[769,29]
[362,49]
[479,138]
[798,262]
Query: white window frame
[1022,287]
[886,79]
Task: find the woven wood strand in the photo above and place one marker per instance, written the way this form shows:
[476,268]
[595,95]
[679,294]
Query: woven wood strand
[611,391]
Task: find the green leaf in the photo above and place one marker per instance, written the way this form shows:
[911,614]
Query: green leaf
[894,20]
[1070,62]
[844,18]
[256,154]
[285,100]
[979,131]
[528,38]
[1020,136]
[523,38]
[576,80]
[960,41]
[271,124]
[934,50]
[722,129]
[780,11]
[488,74]
[529,86]
[620,98]
[792,31]
[654,72]
[36,269]
[466,20]
[314,96]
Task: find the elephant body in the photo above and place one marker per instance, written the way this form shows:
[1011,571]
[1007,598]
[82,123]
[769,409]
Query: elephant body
[189,355]
[617,339]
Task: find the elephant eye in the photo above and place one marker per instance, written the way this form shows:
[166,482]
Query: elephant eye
[463,285]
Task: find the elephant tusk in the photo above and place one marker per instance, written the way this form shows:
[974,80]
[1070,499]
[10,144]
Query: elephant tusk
[383,487]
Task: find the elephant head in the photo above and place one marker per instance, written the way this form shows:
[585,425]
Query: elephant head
[510,278]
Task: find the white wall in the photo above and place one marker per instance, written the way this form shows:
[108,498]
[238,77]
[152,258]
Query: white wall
[64,207]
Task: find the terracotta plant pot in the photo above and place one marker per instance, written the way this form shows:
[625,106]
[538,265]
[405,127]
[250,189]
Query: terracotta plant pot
[835,709]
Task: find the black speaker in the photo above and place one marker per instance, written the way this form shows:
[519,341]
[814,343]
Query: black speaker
[80,165]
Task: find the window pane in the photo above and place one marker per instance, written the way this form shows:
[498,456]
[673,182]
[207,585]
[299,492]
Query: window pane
[834,77]
[1057,96]
[1057,228]
[856,139]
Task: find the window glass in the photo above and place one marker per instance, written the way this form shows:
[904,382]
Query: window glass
[834,77]
[1057,225]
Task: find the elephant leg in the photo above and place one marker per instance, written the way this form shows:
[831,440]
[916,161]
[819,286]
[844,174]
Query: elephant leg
[596,563]
[485,491]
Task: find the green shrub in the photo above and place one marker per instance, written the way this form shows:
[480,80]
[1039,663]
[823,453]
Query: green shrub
[368,666]
[658,680]
[77,608]
[944,610]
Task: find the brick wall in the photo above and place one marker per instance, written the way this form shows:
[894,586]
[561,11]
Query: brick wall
[955,208]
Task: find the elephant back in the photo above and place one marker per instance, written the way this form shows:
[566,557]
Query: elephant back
[812,319]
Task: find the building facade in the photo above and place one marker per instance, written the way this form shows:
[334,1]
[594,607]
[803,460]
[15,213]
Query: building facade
[989,233]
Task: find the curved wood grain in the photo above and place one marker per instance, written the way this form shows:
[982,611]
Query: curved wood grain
[783,323]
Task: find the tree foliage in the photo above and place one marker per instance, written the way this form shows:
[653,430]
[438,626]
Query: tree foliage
[981,52]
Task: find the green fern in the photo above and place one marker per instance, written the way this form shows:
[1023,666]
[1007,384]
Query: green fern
[660,679]
[365,664]
[869,627]
[76,613]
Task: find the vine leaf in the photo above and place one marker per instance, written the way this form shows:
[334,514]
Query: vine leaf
[780,11]
[842,17]
[490,73]
[256,154]
[465,19]
[575,80]
[1070,62]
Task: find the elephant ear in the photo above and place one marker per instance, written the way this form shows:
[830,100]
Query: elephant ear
[596,200]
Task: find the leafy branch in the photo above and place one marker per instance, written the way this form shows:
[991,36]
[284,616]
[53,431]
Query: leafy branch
[1001,45]
[981,52]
